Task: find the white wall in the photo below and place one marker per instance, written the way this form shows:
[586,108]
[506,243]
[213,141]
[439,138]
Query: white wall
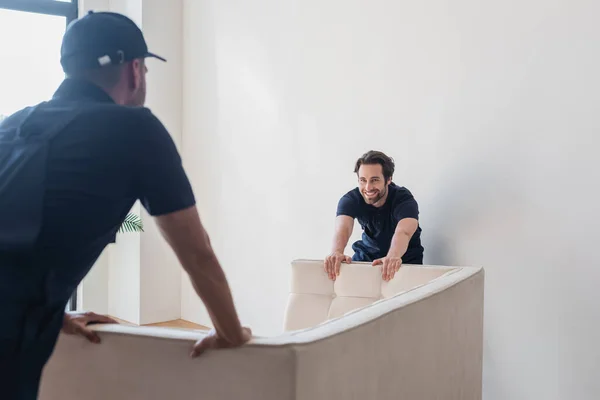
[138,279]
[161,277]
[93,292]
[491,111]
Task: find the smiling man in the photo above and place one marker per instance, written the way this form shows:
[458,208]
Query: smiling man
[388,215]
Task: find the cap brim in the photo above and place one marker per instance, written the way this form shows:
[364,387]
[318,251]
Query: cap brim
[155,56]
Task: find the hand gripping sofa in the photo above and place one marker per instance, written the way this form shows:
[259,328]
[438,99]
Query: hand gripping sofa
[416,337]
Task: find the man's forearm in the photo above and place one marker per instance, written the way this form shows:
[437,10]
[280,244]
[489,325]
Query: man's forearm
[190,241]
[399,244]
[340,240]
[210,283]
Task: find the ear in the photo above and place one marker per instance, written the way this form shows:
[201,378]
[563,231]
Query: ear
[131,75]
[135,71]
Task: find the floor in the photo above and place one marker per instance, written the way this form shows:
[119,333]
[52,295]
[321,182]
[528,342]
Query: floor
[178,323]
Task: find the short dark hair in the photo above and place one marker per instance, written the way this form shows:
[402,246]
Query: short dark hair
[377,157]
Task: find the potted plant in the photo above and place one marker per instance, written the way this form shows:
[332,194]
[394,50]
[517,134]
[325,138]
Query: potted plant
[132,223]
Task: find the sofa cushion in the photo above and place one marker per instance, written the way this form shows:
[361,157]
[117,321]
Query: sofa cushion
[314,298]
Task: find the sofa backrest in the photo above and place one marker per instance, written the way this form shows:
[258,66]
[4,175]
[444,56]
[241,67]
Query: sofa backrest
[426,343]
[314,298]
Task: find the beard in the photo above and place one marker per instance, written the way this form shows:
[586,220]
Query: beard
[138,99]
[372,200]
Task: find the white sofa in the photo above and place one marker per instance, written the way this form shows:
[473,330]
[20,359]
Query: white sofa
[417,337]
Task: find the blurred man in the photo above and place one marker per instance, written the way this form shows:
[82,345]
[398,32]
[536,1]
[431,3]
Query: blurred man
[70,170]
[388,215]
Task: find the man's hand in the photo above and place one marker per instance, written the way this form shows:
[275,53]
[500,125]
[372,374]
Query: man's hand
[333,262]
[76,324]
[389,266]
[213,341]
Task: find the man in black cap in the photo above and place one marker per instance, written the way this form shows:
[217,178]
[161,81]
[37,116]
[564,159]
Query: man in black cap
[71,169]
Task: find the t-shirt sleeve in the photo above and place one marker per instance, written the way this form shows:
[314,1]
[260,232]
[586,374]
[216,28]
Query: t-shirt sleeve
[163,185]
[406,207]
[347,206]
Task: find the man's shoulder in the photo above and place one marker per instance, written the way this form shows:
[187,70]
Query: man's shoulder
[9,124]
[119,114]
[92,114]
[109,121]
[131,119]
[400,193]
[349,203]
[353,194]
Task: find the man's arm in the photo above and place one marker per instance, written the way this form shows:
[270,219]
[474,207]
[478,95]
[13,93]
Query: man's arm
[344,223]
[166,193]
[391,263]
[190,242]
[343,230]
[405,229]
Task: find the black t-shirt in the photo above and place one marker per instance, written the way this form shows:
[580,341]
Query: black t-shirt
[379,223]
[103,158]
[70,171]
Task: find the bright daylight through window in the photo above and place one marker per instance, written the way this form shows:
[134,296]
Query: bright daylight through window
[30,68]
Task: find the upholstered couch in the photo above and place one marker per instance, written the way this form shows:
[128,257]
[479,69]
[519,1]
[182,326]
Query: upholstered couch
[417,337]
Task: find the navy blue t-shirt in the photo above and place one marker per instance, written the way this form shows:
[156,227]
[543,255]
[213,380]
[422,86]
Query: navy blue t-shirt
[70,171]
[104,159]
[379,223]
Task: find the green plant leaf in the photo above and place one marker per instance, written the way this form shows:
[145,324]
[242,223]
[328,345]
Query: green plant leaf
[132,223]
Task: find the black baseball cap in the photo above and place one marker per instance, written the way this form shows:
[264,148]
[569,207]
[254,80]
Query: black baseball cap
[102,38]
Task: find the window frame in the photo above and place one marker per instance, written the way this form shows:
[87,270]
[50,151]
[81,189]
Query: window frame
[69,10]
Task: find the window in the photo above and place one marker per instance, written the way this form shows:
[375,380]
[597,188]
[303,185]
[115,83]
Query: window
[30,58]
[63,8]
[30,70]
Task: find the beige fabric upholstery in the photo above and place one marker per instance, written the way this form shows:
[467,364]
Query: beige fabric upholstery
[314,298]
[418,337]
